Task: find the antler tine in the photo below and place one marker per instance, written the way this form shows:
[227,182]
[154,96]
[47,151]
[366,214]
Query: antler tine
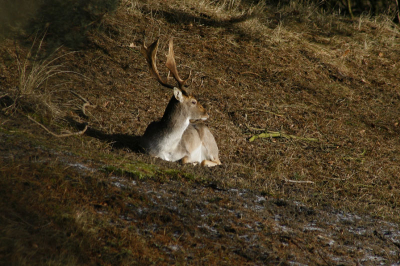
[171,65]
[150,53]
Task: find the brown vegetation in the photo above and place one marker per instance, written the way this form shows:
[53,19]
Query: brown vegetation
[320,187]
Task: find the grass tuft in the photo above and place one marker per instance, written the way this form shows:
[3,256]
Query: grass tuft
[35,90]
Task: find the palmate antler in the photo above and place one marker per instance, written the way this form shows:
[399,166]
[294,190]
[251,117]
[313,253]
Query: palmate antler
[150,53]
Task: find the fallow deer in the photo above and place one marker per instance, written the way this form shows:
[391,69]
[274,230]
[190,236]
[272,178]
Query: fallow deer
[180,134]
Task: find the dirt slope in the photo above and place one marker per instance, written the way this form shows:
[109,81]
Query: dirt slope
[304,105]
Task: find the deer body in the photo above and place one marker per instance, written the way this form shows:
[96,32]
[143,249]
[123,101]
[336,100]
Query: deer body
[174,137]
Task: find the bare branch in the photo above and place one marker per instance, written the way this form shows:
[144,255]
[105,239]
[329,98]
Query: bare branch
[299,182]
[86,102]
[272,134]
[57,135]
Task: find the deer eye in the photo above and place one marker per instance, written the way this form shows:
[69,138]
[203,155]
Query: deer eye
[194,102]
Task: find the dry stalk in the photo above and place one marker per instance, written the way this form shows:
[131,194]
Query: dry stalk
[272,134]
[265,111]
[248,72]
[59,135]
[85,104]
[299,182]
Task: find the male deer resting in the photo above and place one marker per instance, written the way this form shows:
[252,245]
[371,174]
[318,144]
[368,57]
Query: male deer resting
[177,136]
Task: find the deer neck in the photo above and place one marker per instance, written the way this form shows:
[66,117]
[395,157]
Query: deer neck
[175,119]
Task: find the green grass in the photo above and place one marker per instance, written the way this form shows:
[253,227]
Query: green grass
[137,170]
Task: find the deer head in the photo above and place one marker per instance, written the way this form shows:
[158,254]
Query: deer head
[183,100]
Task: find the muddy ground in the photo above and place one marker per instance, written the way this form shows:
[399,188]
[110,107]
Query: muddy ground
[304,104]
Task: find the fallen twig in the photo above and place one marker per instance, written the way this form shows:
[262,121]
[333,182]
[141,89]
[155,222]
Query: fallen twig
[254,128]
[272,134]
[86,103]
[265,111]
[61,135]
[299,182]
[248,72]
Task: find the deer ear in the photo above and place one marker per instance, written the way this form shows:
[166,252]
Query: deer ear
[178,94]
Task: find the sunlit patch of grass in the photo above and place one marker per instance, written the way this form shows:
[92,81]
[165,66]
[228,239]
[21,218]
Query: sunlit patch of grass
[137,169]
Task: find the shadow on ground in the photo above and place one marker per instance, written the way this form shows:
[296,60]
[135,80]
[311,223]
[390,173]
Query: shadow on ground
[117,141]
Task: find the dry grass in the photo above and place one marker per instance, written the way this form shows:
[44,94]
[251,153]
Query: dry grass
[35,91]
[293,69]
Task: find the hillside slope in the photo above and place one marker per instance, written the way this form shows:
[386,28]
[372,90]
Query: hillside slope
[304,104]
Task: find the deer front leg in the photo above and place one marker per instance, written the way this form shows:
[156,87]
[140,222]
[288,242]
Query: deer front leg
[186,160]
[210,163]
